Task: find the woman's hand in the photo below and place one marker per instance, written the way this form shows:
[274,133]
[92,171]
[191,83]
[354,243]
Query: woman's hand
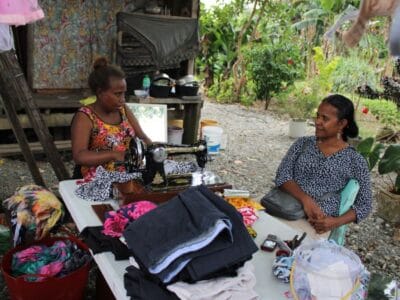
[118,155]
[312,210]
[325,224]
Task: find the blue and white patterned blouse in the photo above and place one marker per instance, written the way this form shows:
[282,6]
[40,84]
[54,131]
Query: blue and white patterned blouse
[318,175]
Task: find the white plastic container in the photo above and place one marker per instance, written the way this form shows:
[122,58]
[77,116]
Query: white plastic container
[323,270]
[297,128]
[175,135]
[213,137]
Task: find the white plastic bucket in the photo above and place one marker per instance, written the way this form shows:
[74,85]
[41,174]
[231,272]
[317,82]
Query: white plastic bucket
[213,136]
[297,128]
[175,135]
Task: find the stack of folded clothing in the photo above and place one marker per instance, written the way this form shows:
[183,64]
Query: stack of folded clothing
[196,236]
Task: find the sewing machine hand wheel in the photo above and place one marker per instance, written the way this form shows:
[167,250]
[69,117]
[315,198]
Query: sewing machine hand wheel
[134,157]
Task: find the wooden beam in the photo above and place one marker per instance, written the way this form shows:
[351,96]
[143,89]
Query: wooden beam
[51,120]
[14,82]
[36,147]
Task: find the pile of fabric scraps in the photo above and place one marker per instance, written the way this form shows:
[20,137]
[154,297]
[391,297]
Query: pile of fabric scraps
[248,209]
[33,209]
[116,221]
[58,260]
[100,187]
[282,267]
[195,236]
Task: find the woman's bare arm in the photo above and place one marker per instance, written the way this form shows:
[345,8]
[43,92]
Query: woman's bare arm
[81,128]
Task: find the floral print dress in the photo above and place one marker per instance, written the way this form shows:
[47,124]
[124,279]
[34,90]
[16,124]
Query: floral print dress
[107,137]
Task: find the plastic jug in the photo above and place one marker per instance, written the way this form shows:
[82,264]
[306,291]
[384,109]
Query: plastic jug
[146,83]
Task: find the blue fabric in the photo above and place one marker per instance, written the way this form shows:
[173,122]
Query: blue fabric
[318,175]
[348,196]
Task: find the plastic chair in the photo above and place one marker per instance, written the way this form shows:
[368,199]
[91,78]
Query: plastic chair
[348,196]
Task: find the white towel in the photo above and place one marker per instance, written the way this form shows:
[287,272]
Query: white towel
[221,288]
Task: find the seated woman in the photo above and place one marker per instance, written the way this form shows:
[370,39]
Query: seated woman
[101,132]
[316,168]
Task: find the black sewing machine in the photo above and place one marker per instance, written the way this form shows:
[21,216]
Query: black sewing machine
[150,160]
[157,186]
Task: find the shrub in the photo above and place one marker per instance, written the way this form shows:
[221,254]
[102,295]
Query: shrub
[273,66]
[353,72]
[385,111]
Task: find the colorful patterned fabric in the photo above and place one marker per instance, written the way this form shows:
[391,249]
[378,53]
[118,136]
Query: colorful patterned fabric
[251,231]
[20,12]
[249,215]
[248,209]
[116,221]
[106,137]
[58,260]
[33,208]
[239,202]
[66,42]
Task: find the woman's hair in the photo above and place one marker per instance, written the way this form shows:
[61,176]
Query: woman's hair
[99,79]
[345,111]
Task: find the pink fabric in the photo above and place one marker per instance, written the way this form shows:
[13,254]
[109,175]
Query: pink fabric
[115,225]
[116,221]
[52,269]
[20,12]
[141,208]
[28,254]
[249,215]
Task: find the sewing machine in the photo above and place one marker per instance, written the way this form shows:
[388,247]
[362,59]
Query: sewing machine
[150,160]
[156,184]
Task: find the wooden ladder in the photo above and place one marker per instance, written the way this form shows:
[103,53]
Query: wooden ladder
[14,89]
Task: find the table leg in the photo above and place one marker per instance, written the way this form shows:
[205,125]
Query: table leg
[191,123]
[103,292]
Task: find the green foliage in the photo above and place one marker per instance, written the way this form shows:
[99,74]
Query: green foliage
[303,100]
[273,66]
[307,95]
[219,33]
[352,72]
[223,91]
[384,110]
[390,163]
[371,151]
[325,70]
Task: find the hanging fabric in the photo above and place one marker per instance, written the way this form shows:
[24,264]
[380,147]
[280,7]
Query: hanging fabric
[20,12]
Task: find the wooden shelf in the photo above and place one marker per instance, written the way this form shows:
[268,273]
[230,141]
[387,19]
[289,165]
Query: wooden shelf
[36,147]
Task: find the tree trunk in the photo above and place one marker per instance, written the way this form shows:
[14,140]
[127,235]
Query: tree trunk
[267,102]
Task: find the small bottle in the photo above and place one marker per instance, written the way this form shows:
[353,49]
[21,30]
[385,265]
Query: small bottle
[146,84]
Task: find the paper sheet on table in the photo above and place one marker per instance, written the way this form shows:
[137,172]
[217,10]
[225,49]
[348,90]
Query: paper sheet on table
[323,288]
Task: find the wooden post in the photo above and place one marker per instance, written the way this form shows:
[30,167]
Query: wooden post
[13,81]
[20,135]
[191,123]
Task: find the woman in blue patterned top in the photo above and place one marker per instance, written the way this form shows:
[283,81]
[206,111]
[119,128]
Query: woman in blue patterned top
[316,168]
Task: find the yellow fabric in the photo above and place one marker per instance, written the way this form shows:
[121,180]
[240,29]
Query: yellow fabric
[35,207]
[88,100]
[243,202]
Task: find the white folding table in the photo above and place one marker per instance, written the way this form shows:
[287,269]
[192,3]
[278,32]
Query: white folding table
[267,287]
